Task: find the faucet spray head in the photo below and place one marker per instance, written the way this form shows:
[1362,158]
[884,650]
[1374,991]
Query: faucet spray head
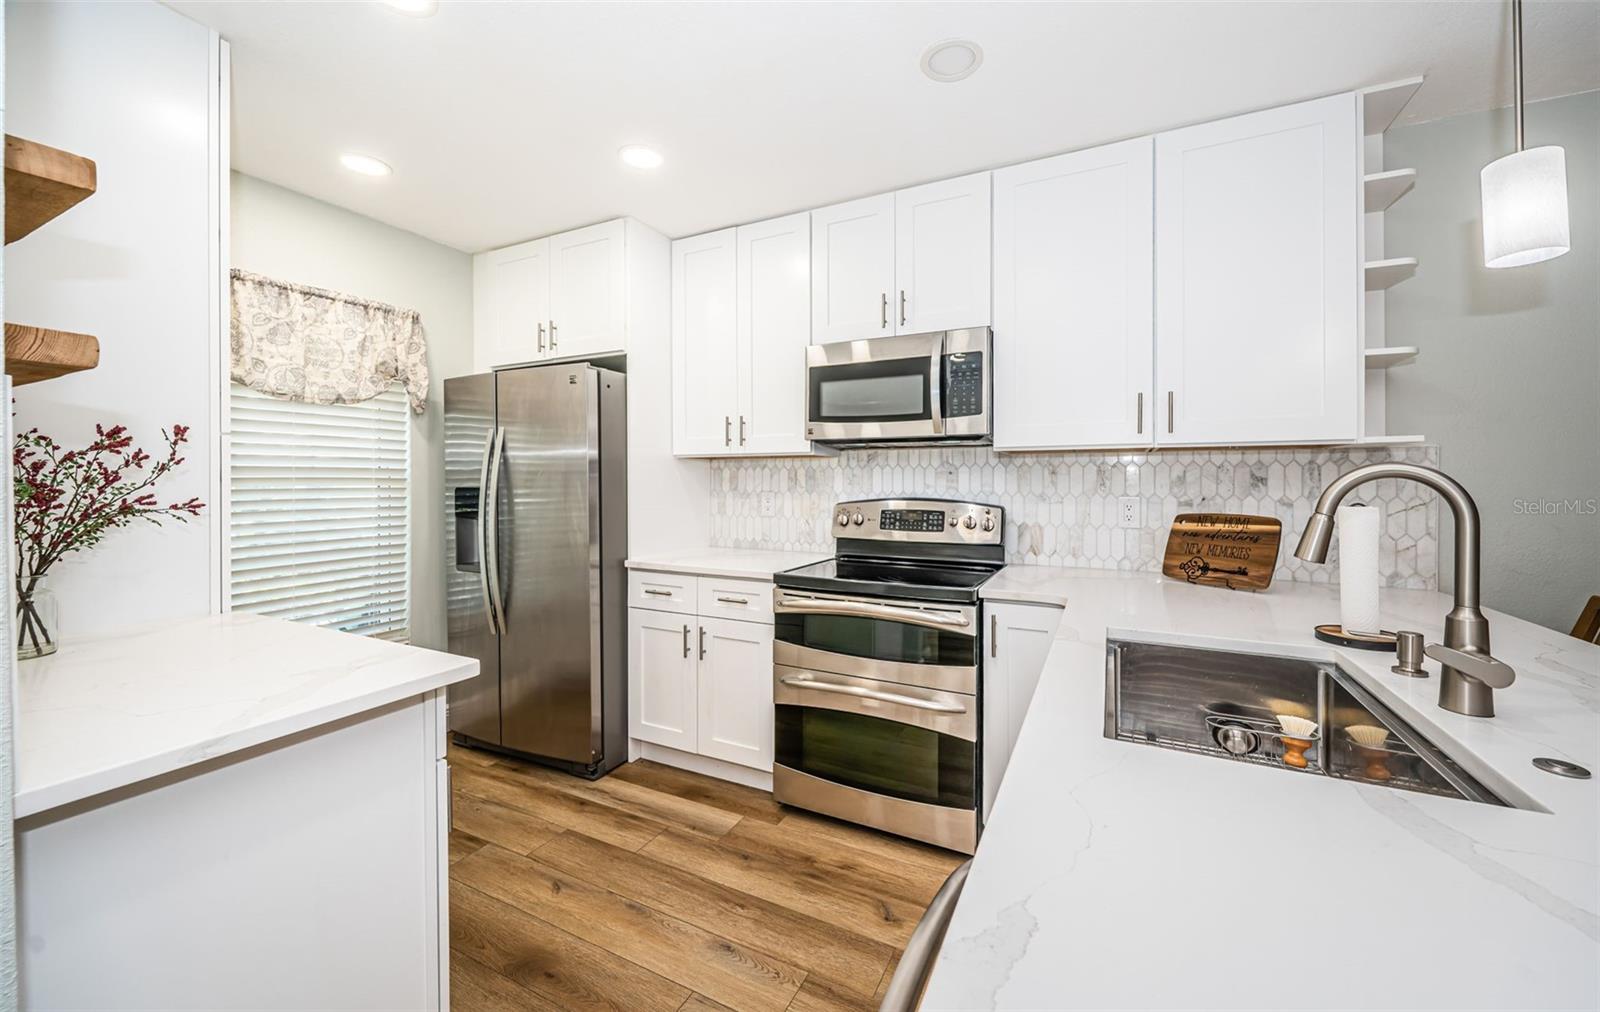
[1315,539]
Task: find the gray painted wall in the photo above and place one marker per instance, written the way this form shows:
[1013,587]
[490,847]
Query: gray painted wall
[1508,379]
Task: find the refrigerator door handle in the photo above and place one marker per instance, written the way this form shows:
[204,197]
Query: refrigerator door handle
[490,519]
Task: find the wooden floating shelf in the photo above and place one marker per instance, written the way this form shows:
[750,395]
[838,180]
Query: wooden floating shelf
[34,353]
[42,182]
[1382,189]
[1383,358]
[1381,103]
[1382,274]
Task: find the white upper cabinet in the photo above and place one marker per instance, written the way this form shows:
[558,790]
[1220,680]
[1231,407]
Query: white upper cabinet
[1258,277]
[1073,276]
[941,256]
[511,292]
[852,270]
[705,342]
[588,312]
[774,329]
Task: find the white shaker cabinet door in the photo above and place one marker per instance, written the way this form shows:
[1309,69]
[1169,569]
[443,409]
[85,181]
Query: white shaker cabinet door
[1257,277]
[588,295]
[941,256]
[736,715]
[1073,276]
[1019,640]
[511,289]
[661,678]
[705,366]
[774,330]
[852,270]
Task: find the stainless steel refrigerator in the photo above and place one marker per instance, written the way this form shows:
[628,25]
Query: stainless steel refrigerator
[536,534]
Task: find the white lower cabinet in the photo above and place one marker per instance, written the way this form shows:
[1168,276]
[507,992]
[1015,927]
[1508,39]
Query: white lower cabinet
[1019,639]
[700,683]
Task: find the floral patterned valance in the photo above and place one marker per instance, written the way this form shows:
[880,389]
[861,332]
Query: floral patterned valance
[321,347]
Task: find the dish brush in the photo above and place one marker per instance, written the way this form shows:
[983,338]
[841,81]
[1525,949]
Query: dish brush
[1368,735]
[1297,727]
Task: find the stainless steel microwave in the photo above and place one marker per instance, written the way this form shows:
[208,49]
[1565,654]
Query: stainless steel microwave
[914,388]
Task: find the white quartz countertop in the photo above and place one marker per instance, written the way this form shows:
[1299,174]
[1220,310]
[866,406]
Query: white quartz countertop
[730,563]
[103,714]
[1121,875]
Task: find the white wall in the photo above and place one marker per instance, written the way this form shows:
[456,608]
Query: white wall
[130,86]
[1510,359]
[8,660]
[292,237]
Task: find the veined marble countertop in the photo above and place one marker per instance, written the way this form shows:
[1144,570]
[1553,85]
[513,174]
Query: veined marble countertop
[1121,875]
[102,714]
[731,563]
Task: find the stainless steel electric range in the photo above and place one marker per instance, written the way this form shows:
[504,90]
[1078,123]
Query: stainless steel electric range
[875,669]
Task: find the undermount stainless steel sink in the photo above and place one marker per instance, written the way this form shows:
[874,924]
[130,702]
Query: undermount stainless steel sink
[1227,704]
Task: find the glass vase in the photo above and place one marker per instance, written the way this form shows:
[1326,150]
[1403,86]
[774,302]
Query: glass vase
[36,617]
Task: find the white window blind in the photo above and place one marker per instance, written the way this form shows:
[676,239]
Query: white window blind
[318,526]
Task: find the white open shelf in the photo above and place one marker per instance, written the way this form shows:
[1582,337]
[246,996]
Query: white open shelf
[1389,441]
[1382,274]
[1383,358]
[1384,188]
[1381,103]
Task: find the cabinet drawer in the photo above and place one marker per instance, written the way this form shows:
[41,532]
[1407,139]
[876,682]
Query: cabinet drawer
[745,600]
[661,591]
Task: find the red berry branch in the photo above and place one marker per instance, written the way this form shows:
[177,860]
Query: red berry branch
[68,500]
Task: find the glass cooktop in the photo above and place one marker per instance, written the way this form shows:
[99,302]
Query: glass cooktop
[917,580]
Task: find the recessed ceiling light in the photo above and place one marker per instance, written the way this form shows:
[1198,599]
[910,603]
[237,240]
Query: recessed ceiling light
[366,165]
[640,157]
[952,59]
[415,8]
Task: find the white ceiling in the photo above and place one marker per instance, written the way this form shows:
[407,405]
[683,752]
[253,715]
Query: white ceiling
[503,120]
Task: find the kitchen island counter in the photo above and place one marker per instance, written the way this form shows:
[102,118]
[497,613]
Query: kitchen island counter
[1122,875]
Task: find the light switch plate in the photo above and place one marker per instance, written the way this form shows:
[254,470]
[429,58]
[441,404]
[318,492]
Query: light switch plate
[768,504]
[1128,511]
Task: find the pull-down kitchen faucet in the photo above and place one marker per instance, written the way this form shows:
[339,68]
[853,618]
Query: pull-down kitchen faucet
[1470,674]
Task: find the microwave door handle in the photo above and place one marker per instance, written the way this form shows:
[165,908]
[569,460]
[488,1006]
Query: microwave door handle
[935,384]
[796,682]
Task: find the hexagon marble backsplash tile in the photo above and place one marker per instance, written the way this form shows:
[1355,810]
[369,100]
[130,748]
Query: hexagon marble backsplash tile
[1061,508]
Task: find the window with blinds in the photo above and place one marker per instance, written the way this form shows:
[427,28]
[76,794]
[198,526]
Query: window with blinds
[318,526]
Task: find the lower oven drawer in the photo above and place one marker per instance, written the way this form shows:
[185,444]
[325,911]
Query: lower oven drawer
[949,713]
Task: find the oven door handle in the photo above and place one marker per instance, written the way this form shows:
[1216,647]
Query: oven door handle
[799,682]
[832,606]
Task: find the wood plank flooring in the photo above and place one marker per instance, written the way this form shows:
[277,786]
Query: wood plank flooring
[659,889]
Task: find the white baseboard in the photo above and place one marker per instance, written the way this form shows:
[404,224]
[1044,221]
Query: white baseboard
[761,781]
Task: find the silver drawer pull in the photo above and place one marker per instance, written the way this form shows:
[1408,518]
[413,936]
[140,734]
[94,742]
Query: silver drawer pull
[734,600]
[796,682]
[913,616]
[657,593]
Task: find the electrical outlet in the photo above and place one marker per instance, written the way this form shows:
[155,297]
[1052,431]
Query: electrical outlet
[768,504]
[1128,511]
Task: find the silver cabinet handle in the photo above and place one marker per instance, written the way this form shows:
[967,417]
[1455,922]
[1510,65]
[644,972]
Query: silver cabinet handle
[1139,410]
[741,430]
[727,431]
[657,593]
[552,335]
[913,616]
[799,682]
[1169,411]
[541,339]
[916,963]
[734,600]
[884,310]
[491,551]
[686,641]
[702,643]
[902,307]
[994,635]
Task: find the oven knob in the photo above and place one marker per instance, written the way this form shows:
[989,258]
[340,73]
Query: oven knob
[844,520]
[858,519]
[988,523]
[969,522]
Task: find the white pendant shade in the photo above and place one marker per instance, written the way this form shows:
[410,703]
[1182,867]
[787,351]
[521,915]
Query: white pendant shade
[1525,208]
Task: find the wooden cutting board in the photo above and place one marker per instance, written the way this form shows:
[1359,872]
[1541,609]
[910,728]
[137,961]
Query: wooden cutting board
[1232,550]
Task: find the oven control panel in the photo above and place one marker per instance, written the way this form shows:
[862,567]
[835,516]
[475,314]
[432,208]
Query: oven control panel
[926,520]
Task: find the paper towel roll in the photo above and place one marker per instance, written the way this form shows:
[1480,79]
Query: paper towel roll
[1358,526]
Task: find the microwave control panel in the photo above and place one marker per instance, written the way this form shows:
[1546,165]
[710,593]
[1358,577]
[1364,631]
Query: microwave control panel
[963,384]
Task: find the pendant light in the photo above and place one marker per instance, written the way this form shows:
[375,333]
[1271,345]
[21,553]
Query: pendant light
[1524,193]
